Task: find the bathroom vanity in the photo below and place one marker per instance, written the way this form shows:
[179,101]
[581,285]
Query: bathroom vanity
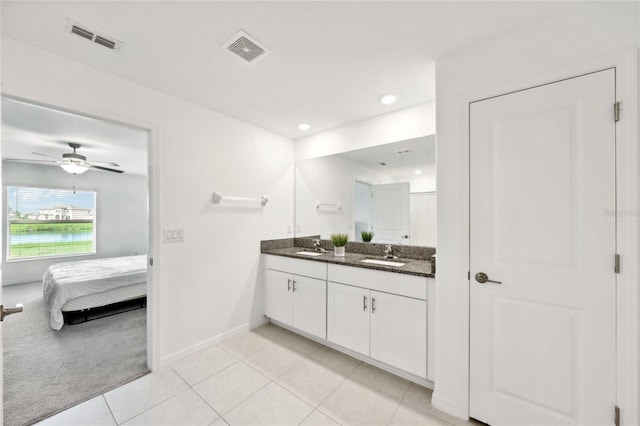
[381,314]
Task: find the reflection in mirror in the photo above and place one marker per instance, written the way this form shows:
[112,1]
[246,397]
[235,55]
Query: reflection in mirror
[389,190]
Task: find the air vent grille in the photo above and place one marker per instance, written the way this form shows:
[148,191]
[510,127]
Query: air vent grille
[105,42]
[243,46]
[81,32]
[90,35]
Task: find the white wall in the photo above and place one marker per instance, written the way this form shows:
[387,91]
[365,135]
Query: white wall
[423,214]
[121,216]
[208,285]
[527,57]
[395,126]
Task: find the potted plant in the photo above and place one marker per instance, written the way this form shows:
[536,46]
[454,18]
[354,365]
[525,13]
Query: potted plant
[339,242]
[367,236]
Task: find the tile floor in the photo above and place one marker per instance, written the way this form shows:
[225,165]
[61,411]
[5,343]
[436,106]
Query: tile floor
[268,376]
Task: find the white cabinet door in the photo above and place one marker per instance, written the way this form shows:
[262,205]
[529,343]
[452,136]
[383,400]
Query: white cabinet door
[348,317]
[399,332]
[310,305]
[278,295]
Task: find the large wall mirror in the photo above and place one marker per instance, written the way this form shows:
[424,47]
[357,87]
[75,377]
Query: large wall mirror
[387,189]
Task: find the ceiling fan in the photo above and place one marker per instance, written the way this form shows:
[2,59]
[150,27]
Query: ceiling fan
[72,162]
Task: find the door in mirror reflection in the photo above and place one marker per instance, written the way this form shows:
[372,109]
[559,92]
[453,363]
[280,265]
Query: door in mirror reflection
[383,209]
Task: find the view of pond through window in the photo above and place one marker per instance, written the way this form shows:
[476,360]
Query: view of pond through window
[49,222]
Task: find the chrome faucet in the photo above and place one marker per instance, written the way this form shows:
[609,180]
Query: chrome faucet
[388,252]
[317,247]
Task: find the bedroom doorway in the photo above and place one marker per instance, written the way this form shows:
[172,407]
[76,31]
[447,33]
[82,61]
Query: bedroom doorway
[76,240]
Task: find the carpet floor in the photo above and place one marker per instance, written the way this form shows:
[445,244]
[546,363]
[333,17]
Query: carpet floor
[47,371]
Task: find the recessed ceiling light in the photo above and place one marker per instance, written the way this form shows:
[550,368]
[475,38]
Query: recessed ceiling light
[387,99]
[418,172]
[304,126]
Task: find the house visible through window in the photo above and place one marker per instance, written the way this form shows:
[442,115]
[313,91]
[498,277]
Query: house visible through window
[49,222]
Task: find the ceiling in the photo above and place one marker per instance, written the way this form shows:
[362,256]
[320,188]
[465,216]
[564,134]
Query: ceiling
[399,163]
[28,128]
[329,62]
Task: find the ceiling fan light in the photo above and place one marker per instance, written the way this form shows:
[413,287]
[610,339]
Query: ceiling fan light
[74,168]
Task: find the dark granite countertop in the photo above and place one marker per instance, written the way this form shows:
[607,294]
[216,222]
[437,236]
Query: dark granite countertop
[421,268]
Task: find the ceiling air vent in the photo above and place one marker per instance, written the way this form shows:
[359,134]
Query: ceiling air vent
[105,42]
[243,46]
[81,32]
[87,34]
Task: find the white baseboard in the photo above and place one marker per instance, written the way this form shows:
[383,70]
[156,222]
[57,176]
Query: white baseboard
[211,341]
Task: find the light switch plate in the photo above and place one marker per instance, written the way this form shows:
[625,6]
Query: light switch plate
[173,235]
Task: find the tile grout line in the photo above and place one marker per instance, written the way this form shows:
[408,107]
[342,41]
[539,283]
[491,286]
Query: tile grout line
[317,407]
[164,400]
[109,408]
[209,376]
[208,405]
[153,406]
[256,391]
[305,357]
[399,403]
[238,360]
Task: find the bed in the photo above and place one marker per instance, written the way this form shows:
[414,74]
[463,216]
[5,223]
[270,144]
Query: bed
[90,284]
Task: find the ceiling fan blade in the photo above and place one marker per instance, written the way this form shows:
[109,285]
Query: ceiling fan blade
[105,168]
[46,155]
[27,160]
[105,164]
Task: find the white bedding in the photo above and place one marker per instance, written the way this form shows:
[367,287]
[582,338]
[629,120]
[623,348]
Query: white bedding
[69,280]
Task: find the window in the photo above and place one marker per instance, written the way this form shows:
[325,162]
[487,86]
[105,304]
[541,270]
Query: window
[49,222]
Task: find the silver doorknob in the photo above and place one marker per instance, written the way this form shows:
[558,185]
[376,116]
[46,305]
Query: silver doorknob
[482,278]
[8,311]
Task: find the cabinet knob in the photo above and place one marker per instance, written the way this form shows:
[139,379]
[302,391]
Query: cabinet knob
[364,303]
[289,285]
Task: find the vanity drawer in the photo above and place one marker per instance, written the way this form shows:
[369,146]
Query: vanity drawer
[388,282]
[297,266]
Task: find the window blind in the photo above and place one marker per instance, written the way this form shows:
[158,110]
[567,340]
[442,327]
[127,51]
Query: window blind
[44,222]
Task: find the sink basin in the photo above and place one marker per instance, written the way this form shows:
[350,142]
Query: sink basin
[382,262]
[310,253]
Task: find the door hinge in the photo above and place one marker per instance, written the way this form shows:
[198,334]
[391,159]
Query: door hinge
[616,415]
[616,266]
[616,112]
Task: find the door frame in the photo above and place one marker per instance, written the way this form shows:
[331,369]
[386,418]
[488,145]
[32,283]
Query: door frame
[627,235]
[153,206]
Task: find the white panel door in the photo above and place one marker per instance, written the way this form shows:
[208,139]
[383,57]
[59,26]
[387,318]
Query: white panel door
[390,212]
[348,316]
[279,303]
[399,332]
[310,305]
[542,222]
